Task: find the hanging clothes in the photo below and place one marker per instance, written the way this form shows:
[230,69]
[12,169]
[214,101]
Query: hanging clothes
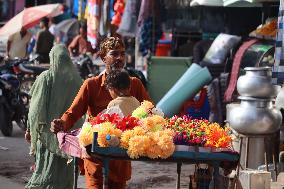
[278,68]
[92,14]
[104,19]
[111,9]
[145,11]
[150,26]
[127,26]
[148,37]
[119,10]
[76,7]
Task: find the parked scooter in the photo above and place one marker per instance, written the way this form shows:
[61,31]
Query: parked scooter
[13,104]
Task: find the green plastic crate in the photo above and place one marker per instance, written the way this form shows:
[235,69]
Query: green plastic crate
[163,73]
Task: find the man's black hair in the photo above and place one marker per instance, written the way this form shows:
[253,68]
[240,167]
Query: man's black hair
[45,21]
[118,79]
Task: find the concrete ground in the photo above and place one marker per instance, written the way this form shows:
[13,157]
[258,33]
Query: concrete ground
[9,183]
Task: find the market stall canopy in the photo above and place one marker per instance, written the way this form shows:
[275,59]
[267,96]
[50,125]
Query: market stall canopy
[68,27]
[29,17]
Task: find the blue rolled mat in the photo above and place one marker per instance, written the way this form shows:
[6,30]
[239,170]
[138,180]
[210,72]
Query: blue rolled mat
[189,72]
[185,88]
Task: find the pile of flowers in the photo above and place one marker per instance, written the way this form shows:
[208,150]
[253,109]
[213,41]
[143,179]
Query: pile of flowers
[147,133]
[195,132]
[150,138]
[104,124]
[141,134]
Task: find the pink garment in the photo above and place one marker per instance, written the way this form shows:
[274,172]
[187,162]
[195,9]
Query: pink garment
[236,68]
[69,143]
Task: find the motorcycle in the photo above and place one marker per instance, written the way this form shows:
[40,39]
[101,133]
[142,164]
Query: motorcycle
[13,104]
[26,71]
[85,66]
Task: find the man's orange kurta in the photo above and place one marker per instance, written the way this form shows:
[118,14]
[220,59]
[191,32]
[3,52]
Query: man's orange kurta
[92,98]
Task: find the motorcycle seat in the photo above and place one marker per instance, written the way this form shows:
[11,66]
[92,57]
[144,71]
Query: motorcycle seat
[35,68]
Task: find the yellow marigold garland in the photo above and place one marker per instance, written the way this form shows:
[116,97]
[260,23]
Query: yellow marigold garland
[86,134]
[127,135]
[147,105]
[137,146]
[107,128]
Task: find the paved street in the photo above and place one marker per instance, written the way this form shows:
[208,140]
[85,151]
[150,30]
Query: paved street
[15,163]
[14,158]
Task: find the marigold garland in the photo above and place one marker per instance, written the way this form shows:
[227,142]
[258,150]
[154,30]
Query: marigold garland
[107,128]
[138,146]
[127,135]
[86,134]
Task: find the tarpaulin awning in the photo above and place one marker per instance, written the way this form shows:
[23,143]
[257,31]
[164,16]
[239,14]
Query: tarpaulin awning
[29,17]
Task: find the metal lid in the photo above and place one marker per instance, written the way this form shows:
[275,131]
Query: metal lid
[255,99]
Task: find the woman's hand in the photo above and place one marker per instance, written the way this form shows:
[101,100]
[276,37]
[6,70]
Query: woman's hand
[28,136]
[56,126]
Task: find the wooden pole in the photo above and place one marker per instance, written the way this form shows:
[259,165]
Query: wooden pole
[178,175]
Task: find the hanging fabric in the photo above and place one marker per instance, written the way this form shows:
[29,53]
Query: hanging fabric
[92,15]
[145,11]
[111,9]
[104,17]
[150,27]
[127,26]
[278,68]
[119,9]
[150,33]
[76,6]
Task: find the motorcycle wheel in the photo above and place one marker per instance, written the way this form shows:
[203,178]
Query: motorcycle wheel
[22,122]
[6,122]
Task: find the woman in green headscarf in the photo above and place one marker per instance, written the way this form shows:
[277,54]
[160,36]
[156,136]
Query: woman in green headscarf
[52,94]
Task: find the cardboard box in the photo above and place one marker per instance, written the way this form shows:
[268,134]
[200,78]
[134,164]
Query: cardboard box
[254,179]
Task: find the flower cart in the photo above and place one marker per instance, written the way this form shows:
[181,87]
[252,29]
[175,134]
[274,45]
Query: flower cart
[179,157]
[147,136]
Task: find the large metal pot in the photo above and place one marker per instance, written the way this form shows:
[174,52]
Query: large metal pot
[254,116]
[257,83]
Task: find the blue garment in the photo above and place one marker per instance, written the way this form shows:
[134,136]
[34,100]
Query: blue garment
[278,68]
[76,6]
[146,36]
[111,9]
[31,45]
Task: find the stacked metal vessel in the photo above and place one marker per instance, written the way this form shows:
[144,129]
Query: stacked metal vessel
[256,113]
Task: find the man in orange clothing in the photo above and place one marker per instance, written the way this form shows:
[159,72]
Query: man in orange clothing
[92,98]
